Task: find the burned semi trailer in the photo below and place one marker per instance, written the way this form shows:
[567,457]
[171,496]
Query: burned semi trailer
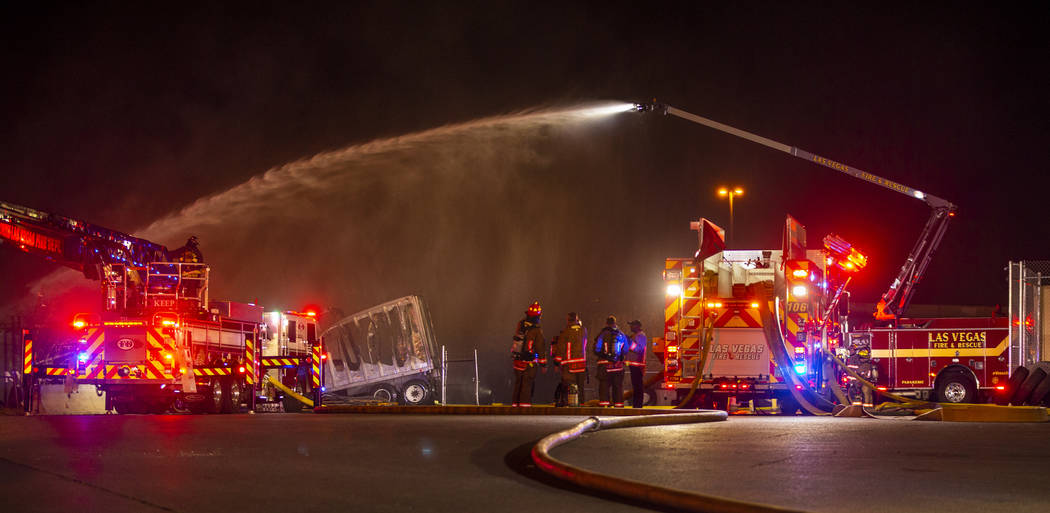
[386,353]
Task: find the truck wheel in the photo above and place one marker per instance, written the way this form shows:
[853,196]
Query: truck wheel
[232,393]
[1040,393]
[956,388]
[788,405]
[416,393]
[384,394]
[216,397]
[160,405]
[1024,391]
[1012,385]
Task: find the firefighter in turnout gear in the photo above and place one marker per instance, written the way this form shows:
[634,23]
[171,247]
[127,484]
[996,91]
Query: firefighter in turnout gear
[528,354]
[636,362]
[860,361]
[569,352]
[610,347]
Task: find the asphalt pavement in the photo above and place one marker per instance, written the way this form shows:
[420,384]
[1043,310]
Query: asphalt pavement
[308,462]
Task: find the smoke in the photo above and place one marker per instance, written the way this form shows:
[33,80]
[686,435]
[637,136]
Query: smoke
[480,218]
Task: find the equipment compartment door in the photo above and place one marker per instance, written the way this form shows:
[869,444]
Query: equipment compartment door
[912,358]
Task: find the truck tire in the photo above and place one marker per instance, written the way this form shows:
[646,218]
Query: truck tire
[1040,393]
[1012,385]
[385,393]
[1035,377]
[231,396]
[956,387]
[216,397]
[788,404]
[415,393]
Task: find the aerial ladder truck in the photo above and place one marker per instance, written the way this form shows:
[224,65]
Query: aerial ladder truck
[956,360]
[157,341]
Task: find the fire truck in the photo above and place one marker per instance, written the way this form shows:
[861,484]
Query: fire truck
[714,342]
[715,300]
[158,341]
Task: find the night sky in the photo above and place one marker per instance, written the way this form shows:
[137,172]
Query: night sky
[124,115]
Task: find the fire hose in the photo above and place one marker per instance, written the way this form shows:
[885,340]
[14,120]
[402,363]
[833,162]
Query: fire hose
[668,497]
[290,392]
[701,364]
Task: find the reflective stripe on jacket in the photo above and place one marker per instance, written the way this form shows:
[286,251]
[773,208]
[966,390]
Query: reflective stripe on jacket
[636,349]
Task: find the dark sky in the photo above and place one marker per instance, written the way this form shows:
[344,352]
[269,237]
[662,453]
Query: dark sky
[122,115]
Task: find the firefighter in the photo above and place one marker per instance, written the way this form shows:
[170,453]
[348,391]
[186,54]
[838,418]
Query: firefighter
[570,354]
[190,252]
[610,346]
[860,361]
[528,355]
[636,362]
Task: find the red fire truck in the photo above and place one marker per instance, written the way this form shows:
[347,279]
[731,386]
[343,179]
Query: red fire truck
[158,342]
[715,296]
[715,299]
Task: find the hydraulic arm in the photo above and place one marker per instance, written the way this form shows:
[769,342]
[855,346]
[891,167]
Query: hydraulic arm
[896,299]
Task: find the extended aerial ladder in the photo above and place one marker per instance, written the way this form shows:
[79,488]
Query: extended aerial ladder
[896,299]
[121,262]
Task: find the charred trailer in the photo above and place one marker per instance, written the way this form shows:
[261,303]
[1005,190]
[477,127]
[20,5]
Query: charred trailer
[386,353]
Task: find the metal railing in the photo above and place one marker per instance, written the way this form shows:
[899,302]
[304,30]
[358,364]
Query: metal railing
[1029,283]
[11,355]
[444,374]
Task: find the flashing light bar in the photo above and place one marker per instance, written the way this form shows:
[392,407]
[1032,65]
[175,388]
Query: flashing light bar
[881,389]
[715,305]
[754,305]
[800,350]
[79,324]
[800,369]
[799,273]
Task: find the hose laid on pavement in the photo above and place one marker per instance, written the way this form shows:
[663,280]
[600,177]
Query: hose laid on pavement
[627,488]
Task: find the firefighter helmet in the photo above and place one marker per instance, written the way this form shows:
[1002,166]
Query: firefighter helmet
[534,309]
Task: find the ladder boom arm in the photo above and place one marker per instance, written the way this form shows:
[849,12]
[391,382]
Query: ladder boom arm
[896,299]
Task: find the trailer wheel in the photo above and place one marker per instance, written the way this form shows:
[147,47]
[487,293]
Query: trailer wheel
[956,387]
[1035,377]
[416,392]
[384,394]
[1012,385]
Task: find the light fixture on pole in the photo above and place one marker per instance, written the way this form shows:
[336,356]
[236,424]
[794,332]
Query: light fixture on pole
[730,192]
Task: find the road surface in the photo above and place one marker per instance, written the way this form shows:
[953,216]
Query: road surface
[307,462]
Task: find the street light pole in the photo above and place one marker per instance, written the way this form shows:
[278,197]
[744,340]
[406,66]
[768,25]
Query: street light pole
[735,191]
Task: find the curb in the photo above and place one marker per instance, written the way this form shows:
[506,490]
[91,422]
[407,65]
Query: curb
[986,413]
[499,410]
